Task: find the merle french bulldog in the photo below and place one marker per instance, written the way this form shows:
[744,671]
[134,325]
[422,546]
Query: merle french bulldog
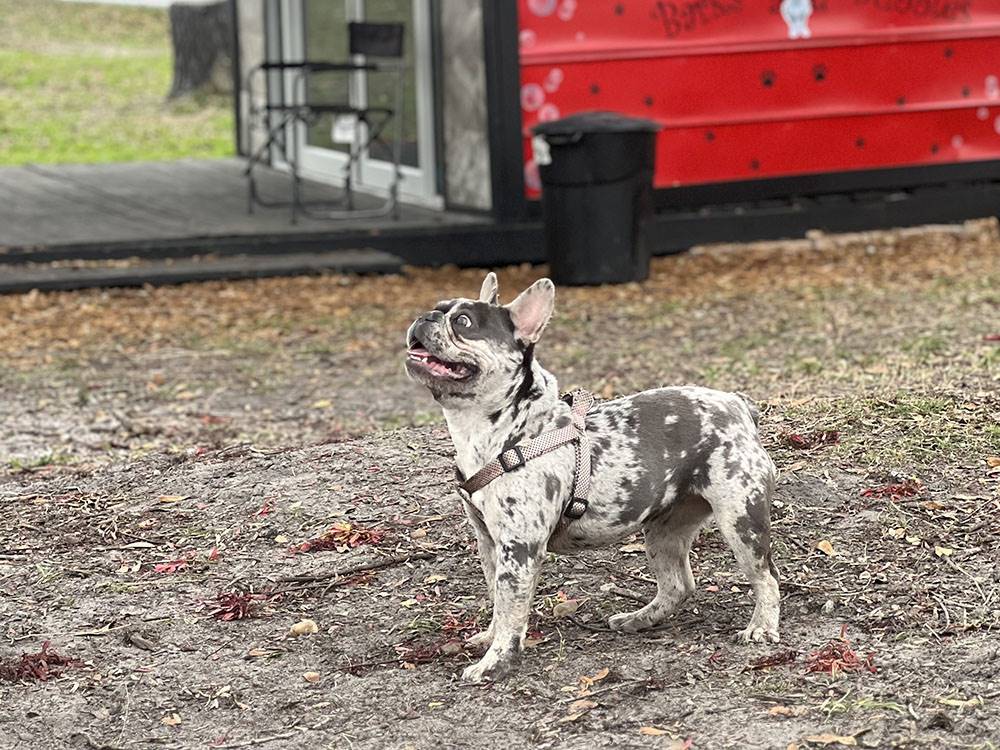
[662,461]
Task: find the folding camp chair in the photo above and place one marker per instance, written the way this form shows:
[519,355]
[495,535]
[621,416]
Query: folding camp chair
[289,110]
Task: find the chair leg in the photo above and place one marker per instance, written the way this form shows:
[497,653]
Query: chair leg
[293,162]
[349,184]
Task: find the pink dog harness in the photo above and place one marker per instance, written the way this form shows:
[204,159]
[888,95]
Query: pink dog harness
[514,458]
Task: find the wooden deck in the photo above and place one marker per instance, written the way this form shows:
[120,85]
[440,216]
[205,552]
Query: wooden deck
[47,207]
[77,226]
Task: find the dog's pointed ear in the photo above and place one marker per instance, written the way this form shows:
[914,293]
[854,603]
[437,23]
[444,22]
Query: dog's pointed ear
[532,309]
[490,292]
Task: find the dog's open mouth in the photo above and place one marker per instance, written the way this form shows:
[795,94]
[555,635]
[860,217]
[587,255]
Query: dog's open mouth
[418,357]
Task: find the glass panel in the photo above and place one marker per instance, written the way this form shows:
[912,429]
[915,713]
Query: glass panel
[382,86]
[326,40]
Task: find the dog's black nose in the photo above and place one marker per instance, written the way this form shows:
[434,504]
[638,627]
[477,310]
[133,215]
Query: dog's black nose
[417,332]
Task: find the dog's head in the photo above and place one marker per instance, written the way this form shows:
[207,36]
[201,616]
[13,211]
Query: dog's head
[467,349]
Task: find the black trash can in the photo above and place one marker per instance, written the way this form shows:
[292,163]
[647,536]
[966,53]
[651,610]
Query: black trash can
[597,181]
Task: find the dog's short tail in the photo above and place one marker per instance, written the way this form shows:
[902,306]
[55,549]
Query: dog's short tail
[752,408]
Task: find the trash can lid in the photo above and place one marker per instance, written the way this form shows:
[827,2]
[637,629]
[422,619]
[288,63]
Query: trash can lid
[596,122]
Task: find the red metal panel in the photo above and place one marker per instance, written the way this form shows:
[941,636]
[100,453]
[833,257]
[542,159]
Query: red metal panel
[772,88]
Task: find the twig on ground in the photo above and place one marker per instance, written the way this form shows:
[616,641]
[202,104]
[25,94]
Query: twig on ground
[94,744]
[626,594]
[608,689]
[972,578]
[107,629]
[366,665]
[309,581]
[588,626]
[256,741]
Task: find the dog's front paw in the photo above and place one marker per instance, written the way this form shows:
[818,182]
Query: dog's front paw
[755,634]
[483,639]
[493,666]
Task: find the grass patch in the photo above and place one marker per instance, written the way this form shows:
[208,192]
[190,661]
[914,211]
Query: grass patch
[83,83]
[846,705]
[417,419]
[902,431]
[39,462]
[926,346]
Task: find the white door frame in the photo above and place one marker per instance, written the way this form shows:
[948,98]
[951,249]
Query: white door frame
[417,185]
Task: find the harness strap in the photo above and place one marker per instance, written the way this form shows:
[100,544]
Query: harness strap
[514,458]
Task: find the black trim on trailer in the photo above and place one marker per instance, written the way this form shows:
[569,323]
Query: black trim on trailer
[850,186]
[503,87]
[893,178]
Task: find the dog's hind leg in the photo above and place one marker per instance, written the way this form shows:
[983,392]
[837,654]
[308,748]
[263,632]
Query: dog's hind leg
[668,545]
[744,521]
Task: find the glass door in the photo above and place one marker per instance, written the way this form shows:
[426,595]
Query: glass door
[317,30]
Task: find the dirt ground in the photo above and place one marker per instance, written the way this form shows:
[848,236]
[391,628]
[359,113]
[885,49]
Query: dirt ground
[167,452]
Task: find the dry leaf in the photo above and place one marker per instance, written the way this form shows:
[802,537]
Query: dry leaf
[311,676]
[564,609]
[171,720]
[304,627]
[171,498]
[581,706]
[587,680]
[960,703]
[323,403]
[993,461]
[942,551]
[832,739]
[635,547]
[435,578]
[826,548]
[652,731]
[786,710]
[409,603]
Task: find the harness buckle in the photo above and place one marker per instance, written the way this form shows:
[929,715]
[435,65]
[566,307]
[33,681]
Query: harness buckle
[511,466]
[576,508]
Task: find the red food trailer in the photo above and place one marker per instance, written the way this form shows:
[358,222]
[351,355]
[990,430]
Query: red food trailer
[765,98]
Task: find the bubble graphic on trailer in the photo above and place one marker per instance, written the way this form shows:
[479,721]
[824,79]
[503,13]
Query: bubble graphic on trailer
[542,7]
[532,97]
[796,14]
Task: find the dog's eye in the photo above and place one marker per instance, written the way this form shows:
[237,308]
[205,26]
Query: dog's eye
[463,321]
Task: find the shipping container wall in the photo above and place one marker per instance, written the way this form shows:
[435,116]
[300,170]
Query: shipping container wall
[764,89]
